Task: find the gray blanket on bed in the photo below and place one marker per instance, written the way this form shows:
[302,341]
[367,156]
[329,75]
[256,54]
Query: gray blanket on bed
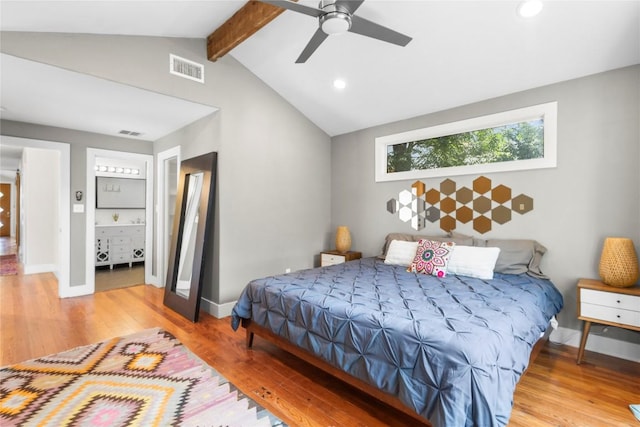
[452,349]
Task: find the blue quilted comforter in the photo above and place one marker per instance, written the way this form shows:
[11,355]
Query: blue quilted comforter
[452,349]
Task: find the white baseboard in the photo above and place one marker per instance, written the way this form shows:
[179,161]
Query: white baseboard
[75,291]
[598,343]
[40,268]
[218,311]
[155,281]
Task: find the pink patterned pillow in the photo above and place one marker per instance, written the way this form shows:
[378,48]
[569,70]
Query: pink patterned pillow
[432,258]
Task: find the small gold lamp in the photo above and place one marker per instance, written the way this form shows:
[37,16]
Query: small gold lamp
[618,263]
[343,239]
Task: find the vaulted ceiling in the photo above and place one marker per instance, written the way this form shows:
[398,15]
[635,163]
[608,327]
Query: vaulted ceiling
[461,52]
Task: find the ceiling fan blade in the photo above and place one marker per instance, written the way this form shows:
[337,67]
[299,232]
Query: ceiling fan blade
[296,7]
[350,5]
[316,40]
[371,29]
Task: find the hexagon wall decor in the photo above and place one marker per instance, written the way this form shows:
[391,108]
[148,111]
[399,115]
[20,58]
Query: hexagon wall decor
[483,205]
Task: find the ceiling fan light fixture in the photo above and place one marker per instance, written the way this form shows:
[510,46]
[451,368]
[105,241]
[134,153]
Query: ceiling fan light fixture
[335,22]
[335,17]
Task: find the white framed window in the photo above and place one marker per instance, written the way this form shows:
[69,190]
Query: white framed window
[519,139]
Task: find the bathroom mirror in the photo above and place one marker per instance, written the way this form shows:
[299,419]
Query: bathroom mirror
[120,193]
[192,228]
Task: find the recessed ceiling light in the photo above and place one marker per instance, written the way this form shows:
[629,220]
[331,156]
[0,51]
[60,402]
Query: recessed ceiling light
[339,84]
[530,8]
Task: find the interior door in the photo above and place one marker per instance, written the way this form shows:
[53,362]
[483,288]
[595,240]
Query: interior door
[16,214]
[5,210]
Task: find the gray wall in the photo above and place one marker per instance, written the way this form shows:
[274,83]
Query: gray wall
[593,193]
[274,164]
[78,143]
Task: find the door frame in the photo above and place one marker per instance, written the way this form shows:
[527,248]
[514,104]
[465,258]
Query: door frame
[162,238]
[64,200]
[90,268]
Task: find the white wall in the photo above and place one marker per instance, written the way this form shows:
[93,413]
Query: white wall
[39,213]
[591,194]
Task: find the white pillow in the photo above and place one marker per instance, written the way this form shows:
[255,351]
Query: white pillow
[401,253]
[473,261]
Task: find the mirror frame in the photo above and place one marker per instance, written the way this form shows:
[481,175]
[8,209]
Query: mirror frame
[190,307]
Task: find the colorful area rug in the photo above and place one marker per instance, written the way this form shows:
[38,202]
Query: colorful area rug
[8,265]
[145,379]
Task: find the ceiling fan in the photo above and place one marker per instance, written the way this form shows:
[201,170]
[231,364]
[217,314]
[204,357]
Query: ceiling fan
[335,17]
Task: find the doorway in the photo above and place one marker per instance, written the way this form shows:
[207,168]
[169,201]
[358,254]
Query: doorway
[119,219]
[168,162]
[7,241]
[61,267]
[5,210]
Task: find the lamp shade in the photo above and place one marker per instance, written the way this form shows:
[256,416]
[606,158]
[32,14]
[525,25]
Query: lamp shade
[618,263]
[343,239]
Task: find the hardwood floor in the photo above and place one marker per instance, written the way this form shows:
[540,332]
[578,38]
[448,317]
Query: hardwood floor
[555,391]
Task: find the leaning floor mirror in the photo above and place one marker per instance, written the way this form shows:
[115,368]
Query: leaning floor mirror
[192,228]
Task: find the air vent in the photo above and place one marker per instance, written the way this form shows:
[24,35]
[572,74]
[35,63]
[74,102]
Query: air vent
[185,68]
[129,132]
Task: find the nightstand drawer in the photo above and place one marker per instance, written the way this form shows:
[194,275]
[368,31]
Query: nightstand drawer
[610,299]
[607,305]
[335,257]
[331,259]
[610,314]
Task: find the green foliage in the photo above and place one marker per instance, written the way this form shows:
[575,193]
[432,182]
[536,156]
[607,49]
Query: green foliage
[519,141]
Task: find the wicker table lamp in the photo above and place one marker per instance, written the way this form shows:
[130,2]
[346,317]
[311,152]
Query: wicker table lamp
[343,239]
[618,263]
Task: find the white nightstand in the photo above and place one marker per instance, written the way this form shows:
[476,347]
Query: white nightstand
[335,257]
[606,305]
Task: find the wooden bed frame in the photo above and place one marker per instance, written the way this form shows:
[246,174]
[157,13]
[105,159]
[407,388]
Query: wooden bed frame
[253,329]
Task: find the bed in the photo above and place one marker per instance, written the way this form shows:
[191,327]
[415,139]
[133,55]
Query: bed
[446,350]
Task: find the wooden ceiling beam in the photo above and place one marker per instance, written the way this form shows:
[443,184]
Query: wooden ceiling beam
[242,25]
